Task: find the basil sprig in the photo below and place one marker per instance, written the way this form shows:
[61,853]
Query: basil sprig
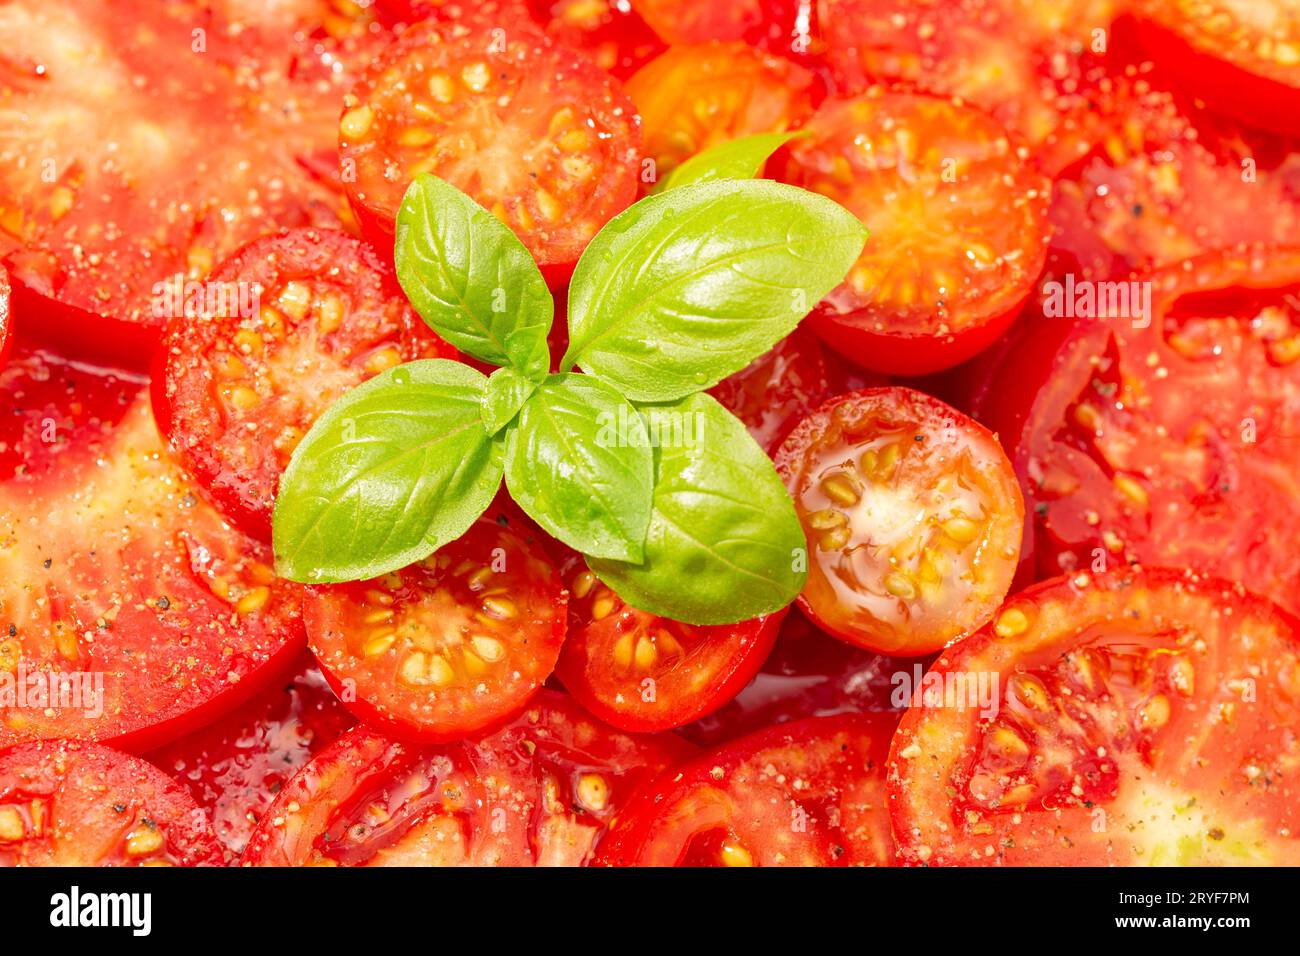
[673,504]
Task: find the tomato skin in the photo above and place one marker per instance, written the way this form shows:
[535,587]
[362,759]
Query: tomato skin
[734,806]
[881,576]
[539,792]
[73,803]
[1138,750]
[688,670]
[420,673]
[529,128]
[117,567]
[234,767]
[298,357]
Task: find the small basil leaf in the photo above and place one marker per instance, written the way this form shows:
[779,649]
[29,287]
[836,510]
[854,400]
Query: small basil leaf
[735,159]
[688,286]
[505,394]
[724,543]
[397,467]
[471,279]
[580,464]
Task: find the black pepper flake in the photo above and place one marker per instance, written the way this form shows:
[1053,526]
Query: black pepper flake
[48,562]
[119,808]
[13,630]
[163,603]
[503,520]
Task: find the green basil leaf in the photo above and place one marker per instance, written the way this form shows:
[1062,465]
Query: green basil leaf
[742,158]
[393,470]
[471,279]
[688,286]
[505,394]
[580,464]
[724,543]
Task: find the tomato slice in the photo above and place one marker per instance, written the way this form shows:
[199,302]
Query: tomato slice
[1138,718]
[238,388]
[115,569]
[957,220]
[611,32]
[1241,56]
[808,674]
[1172,443]
[645,673]
[452,645]
[913,518]
[530,129]
[137,160]
[539,792]
[696,96]
[71,803]
[233,768]
[809,793]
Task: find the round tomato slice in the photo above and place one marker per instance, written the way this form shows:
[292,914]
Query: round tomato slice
[129,609]
[913,518]
[311,314]
[452,645]
[148,142]
[957,220]
[530,129]
[809,793]
[697,96]
[539,792]
[645,673]
[71,803]
[1241,56]
[808,674]
[234,767]
[1140,718]
[1168,431]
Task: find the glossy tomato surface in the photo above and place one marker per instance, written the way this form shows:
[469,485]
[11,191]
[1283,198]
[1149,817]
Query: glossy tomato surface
[72,803]
[540,792]
[133,611]
[1137,718]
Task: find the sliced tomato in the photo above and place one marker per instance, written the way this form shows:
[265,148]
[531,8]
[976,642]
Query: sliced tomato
[808,674]
[72,803]
[697,96]
[539,792]
[1240,56]
[115,569]
[453,645]
[1169,438]
[808,793]
[957,220]
[530,129]
[782,26]
[313,314]
[646,673]
[913,518]
[149,141]
[777,389]
[1139,718]
[611,32]
[234,768]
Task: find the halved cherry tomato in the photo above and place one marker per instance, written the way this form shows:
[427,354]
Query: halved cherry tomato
[530,129]
[1241,56]
[913,518]
[148,141]
[777,389]
[1168,437]
[236,390]
[957,220]
[1140,718]
[116,569]
[71,803]
[645,673]
[233,768]
[809,793]
[697,96]
[447,647]
[539,792]
[808,674]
